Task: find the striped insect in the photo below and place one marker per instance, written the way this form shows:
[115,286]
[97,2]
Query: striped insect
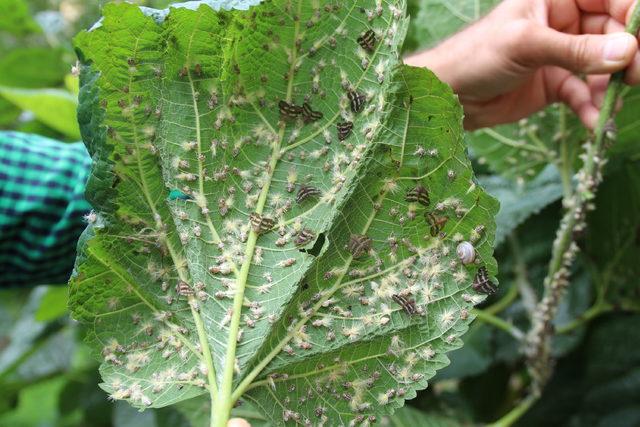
[309,115]
[418,194]
[436,223]
[289,111]
[482,284]
[261,224]
[307,191]
[344,130]
[183,289]
[407,304]
[304,236]
[356,100]
[359,245]
[368,41]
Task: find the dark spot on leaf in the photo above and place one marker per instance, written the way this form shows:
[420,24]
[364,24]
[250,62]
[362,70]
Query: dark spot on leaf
[317,246]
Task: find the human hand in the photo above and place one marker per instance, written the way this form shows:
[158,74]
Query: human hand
[527,54]
[238,422]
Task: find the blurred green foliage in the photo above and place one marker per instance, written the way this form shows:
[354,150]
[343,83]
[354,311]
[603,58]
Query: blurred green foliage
[36,60]
[48,377]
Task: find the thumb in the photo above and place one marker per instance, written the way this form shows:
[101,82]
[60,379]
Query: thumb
[587,53]
[238,422]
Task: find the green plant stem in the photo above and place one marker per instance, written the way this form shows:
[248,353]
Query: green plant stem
[593,312]
[504,302]
[564,248]
[221,410]
[514,415]
[498,323]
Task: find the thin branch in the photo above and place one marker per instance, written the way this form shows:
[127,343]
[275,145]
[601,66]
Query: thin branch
[514,415]
[538,346]
[499,323]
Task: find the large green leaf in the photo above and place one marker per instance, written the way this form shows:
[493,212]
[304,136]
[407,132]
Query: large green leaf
[521,150]
[32,68]
[54,107]
[436,20]
[349,348]
[16,19]
[628,142]
[181,117]
[613,236]
[519,201]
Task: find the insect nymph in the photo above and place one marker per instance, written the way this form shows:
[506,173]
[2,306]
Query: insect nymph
[408,305]
[309,115]
[368,41]
[418,194]
[261,224]
[436,223]
[305,192]
[304,236]
[356,100]
[183,289]
[482,284]
[359,245]
[289,111]
[344,130]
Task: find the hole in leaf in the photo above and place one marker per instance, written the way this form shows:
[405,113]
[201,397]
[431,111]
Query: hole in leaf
[317,246]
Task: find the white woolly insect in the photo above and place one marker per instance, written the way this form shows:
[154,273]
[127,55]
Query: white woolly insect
[466,252]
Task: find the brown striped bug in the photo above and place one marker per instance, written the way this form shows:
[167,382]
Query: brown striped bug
[183,72]
[436,223]
[289,111]
[305,192]
[183,289]
[359,245]
[408,305]
[368,41]
[309,115]
[344,130]
[418,194]
[304,236]
[357,100]
[198,70]
[482,284]
[260,224]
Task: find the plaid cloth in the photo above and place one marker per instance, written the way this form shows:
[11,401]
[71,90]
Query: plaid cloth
[42,207]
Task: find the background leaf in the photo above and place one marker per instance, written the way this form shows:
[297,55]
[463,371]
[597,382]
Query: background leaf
[520,201]
[54,107]
[15,18]
[32,68]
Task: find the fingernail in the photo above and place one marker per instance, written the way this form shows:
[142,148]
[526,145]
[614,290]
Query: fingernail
[617,47]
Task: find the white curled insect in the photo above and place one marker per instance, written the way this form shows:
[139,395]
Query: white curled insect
[466,253]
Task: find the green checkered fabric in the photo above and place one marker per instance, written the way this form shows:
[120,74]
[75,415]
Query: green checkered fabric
[42,208]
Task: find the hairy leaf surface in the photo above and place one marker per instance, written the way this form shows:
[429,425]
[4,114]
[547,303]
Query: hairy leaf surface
[229,194]
[346,346]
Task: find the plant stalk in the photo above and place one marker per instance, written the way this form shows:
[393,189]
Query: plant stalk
[538,348]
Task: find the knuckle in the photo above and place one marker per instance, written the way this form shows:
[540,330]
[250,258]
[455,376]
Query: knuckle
[581,52]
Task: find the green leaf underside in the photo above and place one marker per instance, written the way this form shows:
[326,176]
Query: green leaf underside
[358,349]
[191,105]
[522,150]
